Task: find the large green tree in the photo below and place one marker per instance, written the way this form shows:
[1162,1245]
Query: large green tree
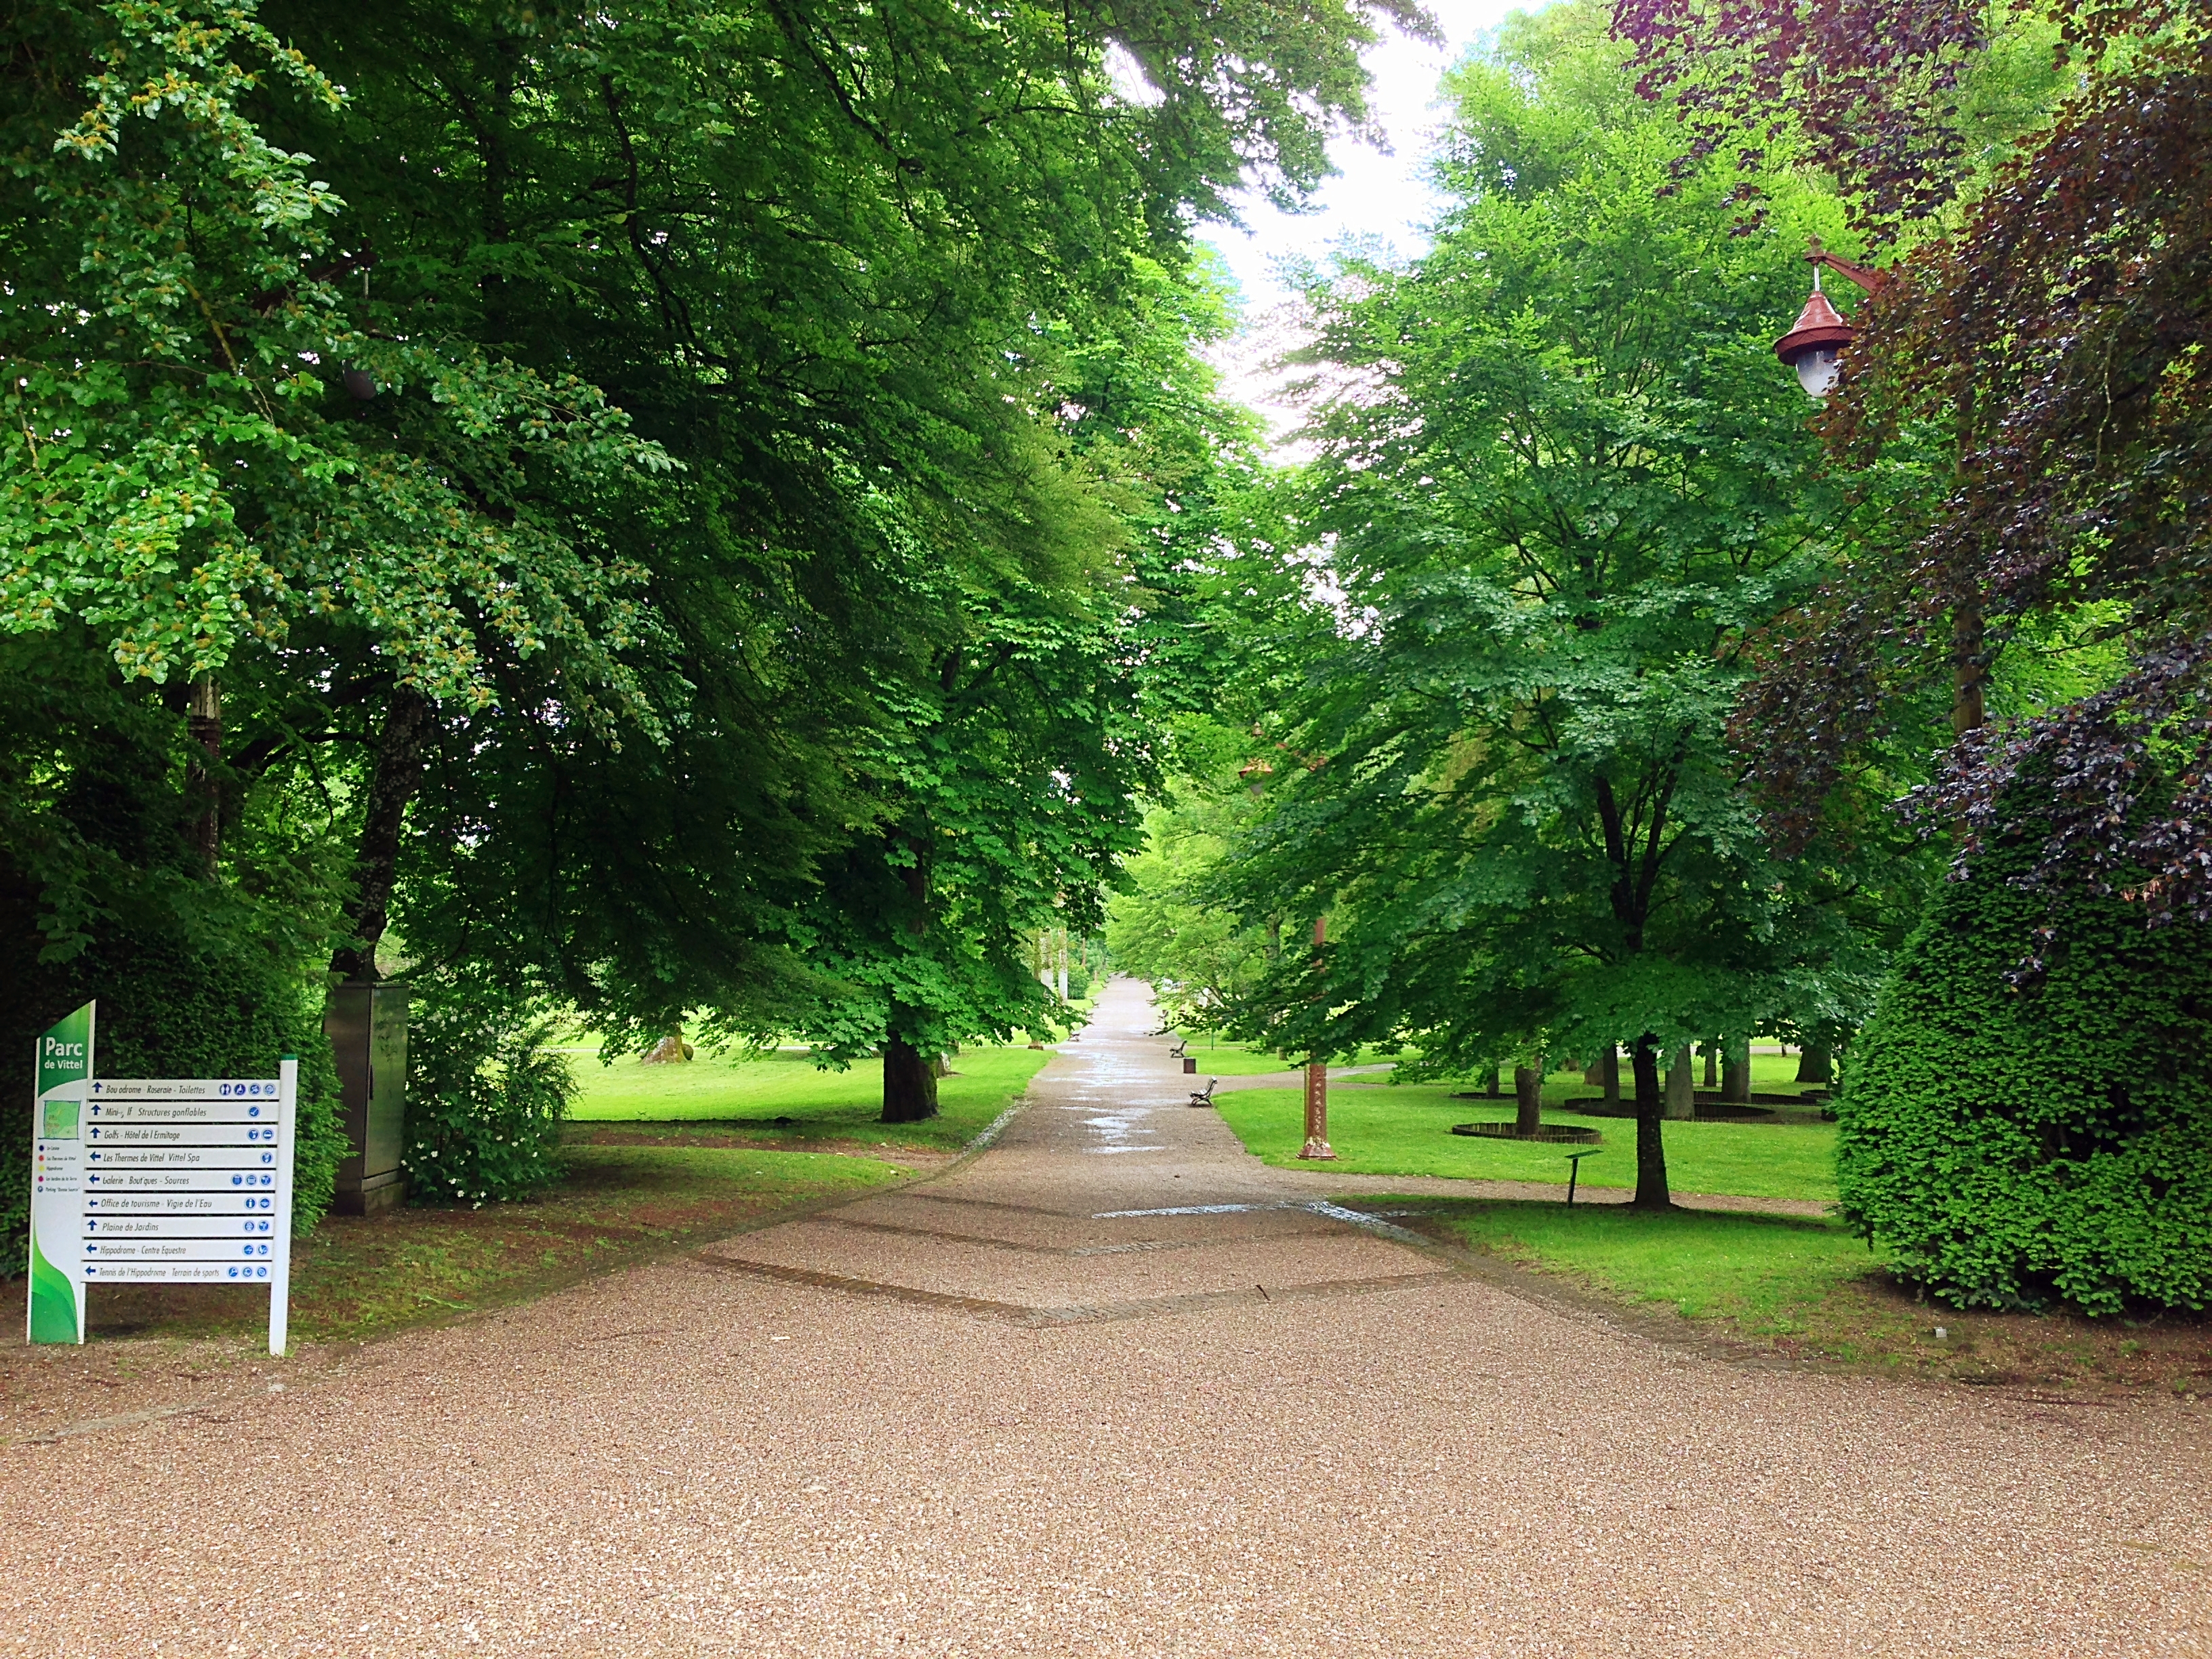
[623,416]
[1011,789]
[206,551]
[1563,480]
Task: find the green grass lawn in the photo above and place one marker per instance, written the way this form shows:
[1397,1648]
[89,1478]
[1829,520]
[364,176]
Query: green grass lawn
[752,1092]
[1809,1290]
[1767,1274]
[1379,1129]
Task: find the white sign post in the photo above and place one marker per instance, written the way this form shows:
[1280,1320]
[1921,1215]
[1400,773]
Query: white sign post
[183,1181]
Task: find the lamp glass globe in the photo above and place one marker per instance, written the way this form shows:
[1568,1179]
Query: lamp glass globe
[1818,371]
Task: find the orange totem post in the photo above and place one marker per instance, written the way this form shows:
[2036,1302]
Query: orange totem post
[1317,1146]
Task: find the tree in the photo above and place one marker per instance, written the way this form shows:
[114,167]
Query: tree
[855,249]
[191,472]
[1202,959]
[2047,326]
[1906,106]
[621,418]
[205,544]
[2041,335]
[1008,799]
[1564,484]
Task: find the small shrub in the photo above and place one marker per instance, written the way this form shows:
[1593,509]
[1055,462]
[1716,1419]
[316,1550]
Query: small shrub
[486,1096]
[2019,1137]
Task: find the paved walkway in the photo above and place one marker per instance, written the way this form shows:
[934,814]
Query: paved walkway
[1113,1388]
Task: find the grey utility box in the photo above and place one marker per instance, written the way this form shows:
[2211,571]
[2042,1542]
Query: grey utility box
[367,1025]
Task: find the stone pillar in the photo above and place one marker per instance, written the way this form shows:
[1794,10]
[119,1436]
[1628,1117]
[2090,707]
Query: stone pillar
[367,1025]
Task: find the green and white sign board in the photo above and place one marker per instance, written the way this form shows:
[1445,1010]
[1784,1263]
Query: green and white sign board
[158,1180]
[62,1068]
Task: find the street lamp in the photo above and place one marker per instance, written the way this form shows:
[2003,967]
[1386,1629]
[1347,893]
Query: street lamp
[1815,347]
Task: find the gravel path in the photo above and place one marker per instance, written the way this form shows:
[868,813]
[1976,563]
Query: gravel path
[1113,1388]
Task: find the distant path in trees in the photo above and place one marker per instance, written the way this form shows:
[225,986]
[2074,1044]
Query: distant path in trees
[1111,1387]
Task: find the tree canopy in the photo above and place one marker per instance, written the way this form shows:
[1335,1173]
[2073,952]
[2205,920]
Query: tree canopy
[720,451]
[1560,492]
[2046,324]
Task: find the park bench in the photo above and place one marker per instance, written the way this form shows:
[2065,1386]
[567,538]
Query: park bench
[1204,1097]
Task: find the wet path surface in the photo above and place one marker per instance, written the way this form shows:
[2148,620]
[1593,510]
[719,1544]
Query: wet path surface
[1112,1388]
[1109,1198]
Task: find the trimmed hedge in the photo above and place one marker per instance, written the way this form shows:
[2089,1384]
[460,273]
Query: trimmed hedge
[2017,1143]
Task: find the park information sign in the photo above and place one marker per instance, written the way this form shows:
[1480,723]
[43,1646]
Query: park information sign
[63,1067]
[143,1180]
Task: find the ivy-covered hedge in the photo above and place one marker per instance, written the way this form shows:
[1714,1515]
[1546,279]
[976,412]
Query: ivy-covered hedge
[168,1011]
[2018,1132]
[486,1097]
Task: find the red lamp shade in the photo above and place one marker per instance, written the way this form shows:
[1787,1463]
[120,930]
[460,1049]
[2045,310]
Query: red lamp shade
[1819,325]
[1813,346]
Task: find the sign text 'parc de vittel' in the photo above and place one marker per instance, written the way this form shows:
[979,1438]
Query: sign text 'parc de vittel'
[139,1180]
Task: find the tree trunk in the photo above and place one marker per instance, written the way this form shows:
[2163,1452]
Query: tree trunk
[910,1084]
[1967,669]
[1527,1099]
[1712,1075]
[1609,1074]
[1815,1064]
[1491,1084]
[204,722]
[1735,1073]
[1681,1086]
[1650,1141]
[407,723]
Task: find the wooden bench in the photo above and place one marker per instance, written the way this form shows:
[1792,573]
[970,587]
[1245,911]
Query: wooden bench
[1204,1097]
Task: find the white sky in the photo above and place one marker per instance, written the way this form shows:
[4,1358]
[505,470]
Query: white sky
[1372,195]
